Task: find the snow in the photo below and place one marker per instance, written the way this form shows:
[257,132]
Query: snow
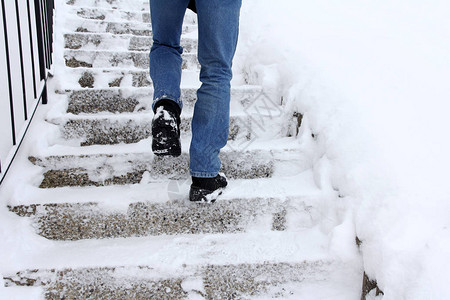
[371,78]
[20,293]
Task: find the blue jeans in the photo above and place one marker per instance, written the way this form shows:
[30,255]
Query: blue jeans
[218,27]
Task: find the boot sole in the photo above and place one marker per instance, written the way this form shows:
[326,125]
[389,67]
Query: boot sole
[204,196]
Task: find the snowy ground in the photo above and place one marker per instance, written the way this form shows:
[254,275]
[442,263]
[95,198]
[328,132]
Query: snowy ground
[370,78]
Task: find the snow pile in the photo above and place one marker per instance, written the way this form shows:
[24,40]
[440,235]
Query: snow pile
[370,78]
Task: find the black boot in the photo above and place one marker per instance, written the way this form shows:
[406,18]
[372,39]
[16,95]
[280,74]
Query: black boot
[166,128]
[207,189]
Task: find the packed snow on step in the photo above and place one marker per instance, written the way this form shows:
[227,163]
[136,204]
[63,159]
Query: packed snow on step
[371,78]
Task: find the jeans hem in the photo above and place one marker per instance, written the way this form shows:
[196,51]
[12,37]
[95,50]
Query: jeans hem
[166,96]
[203,174]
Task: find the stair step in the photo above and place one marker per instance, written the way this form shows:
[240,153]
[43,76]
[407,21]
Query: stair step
[105,14]
[132,129]
[116,77]
[132,28]
[89,131]
[210,281]
[110,14]
[77,221]
[111,4]
[121,169]
[105,41]
[120,100]
[124,59]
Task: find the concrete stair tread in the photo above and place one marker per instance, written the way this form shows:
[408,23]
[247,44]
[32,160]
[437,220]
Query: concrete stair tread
[99,170]
[98,78]
[77,221]
[116,77]
[100,129]
[125,42]
[108,4]
[259,263]
[285,160]
[141,115]
[133,28]
[261,280]
[134,168]
[222,249]
[69,161]
[134,99]
[110,14]
[162,191]
[134,59]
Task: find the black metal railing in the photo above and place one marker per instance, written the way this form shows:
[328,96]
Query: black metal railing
[25,65]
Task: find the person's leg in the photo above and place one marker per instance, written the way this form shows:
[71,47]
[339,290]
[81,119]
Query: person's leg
[218,22]
[165,71]
[165,55]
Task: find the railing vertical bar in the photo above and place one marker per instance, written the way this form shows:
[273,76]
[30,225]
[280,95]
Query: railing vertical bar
[47,22]
[44,95]
[33,68]
[49,18]
[45,27]
[8,70]
[51,13]
[22,70]
[47,55]
[37,10]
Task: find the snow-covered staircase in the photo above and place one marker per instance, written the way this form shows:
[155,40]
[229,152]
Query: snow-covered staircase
[116,218]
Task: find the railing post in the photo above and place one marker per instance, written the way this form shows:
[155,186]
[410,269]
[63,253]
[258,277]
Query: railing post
[41,42]
[33,68]
[45,32]
[50,8]
[22,72]
[48,28]
[44,95]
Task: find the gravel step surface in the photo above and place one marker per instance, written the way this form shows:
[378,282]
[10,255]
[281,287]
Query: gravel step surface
[116,77]
[121,169]
[105,14]
[124,59]
[107,131]
[120,100]
[119,15]
[237,281]
[90,221]
[107,41]
[132,28]
[111,4]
